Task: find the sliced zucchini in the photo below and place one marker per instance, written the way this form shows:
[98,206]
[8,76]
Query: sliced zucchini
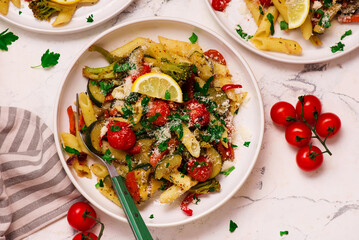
[93,136]
[144,166]
[95,94]
[211,185]
[204,66]
[167,165]
[212,155]
[143,157]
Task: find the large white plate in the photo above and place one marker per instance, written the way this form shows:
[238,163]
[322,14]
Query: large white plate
[237,13]
[250,116]
[102,11]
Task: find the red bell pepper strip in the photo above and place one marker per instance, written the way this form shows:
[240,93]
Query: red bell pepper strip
[81,121]
[348,19]
[132,186]
[226,153]
[71,115]
[231,86]
[186,201]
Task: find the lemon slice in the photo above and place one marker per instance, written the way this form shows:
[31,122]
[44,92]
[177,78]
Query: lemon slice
[65,2]
[297,12]
[158,85]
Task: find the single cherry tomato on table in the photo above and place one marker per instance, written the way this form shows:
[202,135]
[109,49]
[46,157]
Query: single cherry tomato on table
[120,136]
[79,236]
[266,3]
[199,169]
[326,121]
[75,216]
[304,161]
[298,129]
[281,111]
[160,108]
[220,5]
[198,113]
[216,56]
[310,104]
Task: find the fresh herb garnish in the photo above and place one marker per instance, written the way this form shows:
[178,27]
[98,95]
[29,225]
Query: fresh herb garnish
[167,164]
[236,112]
[127,112]
[144,104]
[225,140]
[115,128]
[167,95]
[261,10]
[232,226]
[338,47]
[347,33]
[99,184]
[327,3]
[106,87]
[214,132]
[124,67]
[270,19]
[89,19]
[234,146]
[128,160]
[48,59]
[154,117]
[242,34]
[203,90]
[282,233]
[196,199]
[132,97]
[71,150]
[193,38]
[246,144]
[228,171]
[6,39]
[194,69]
[20,12]
[151,216]
[107,156]
[283,25]
[325,20]
[163,145]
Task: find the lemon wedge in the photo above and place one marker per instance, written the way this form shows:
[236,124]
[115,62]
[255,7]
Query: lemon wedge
[65,2]
[298,11]
[158,85]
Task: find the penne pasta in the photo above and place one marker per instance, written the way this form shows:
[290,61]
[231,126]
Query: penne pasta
[277,45]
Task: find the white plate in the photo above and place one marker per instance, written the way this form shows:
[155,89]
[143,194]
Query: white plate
[250,115]
[102,11]
[237,13]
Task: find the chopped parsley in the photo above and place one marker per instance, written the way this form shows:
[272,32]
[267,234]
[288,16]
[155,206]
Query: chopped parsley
[246,144]
[347,33]
[338,47]
[99,184]
[282,233]
[225,140]
[232,145]
[193,38]
[49,59]
[236,112]
[124,67]
[6,39]
[127,112]
[242,34]
[214,132]
[270,19]
[232,226]
[163,145]
[196,199]
[144,104]
[132,98]
[194,69]
[20,12]
[283,25]
[115,128]
[167,164]
[151,216]
[107,156]
[261,10]
[327,3]
[228,171]
[71,150]
[89,19]
[167,95]
[325,21]
[203,90]
[83,129]
[106,87]
[154,117]
[128,160]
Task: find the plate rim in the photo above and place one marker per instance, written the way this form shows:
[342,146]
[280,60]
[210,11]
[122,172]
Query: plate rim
[180,21]
[264,53]
[58,30]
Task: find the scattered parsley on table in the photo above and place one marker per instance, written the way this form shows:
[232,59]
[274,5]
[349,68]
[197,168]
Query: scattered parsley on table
[282,233]
[6,39]
[232,226]
[49,59]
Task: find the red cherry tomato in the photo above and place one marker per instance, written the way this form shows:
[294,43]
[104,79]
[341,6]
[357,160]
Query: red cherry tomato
[226,153]
[161,107]
[216,56]
[220,5]
[311,103]
[298,129]
[199,169]
[120,136]
[305,162]
[145,69]
[75,218]
[198,113]
[266,3]
[325,121]
[280,111]
[132,186]
[79,236]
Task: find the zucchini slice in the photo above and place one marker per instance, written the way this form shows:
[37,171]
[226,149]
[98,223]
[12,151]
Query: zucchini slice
[93,136]
[167,165]
[212,155]
[95,94]
[204,66]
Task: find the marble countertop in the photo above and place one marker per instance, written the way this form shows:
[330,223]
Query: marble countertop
[277,196]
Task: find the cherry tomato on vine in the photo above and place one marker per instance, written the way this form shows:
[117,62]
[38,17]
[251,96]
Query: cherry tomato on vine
[160,108]
[220,5]
[120,136]
[266,3]
[79,236]
[280,111]
[304,161]
[198,113]
[325,121]
[298,129]
[75,218]
[199,169]
[310,104]
[216,56]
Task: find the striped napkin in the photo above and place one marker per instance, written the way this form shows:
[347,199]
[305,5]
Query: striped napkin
[34,188]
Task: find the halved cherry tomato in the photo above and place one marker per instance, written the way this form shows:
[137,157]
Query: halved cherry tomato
[198,113]
[231,86]
[82,235]
[298,129]
[310,104]
[326,121]
[304,162]
[266,3]
[132,186]
[281,111]
[226,153]
[135,150]
[120,135]
[199,169]
[216,56]
[75,216]
[220,5]
[158,107]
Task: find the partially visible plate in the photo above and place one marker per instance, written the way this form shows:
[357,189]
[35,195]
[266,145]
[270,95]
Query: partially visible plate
[102,11]
[250,116]
[237,13]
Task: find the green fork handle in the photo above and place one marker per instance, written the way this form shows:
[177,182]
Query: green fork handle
[137,224]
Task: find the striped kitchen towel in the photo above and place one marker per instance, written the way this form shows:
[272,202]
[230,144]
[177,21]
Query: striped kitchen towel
[34,188]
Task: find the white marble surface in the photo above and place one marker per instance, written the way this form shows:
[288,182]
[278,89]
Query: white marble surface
[277,196]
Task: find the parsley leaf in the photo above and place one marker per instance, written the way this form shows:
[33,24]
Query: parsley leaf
[163,145]
[167,95]
[20,12]
[338,47]
[89,19]
[214,133]
[228,171]
[242,34]
[132,98]
[115,128]
[283,233]
[6,39]
[325,21]
[232,226]
[270,19]
[107,156]
[347,33]
[49,59]
[99,184]
[194,69]
[71,150]
[106,87]
[151,217]
[193,38]
[327,3]
[154,117]
[283,25]
[123,67]
[128,160]
[246,144]
[261,10]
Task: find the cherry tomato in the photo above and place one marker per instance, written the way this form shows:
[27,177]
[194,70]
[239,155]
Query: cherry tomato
[145,69]
[216,56]
[280,111]
[325,121]
[298,129]
[198,113]
[310,104]
[199,169]
[305,162]
[75,218]
[266,3]
[120,136]
[226,153]
[132,186]
[79,235]
[220,5]
[160,107]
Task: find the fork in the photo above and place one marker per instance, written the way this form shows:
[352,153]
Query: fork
[133,216]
